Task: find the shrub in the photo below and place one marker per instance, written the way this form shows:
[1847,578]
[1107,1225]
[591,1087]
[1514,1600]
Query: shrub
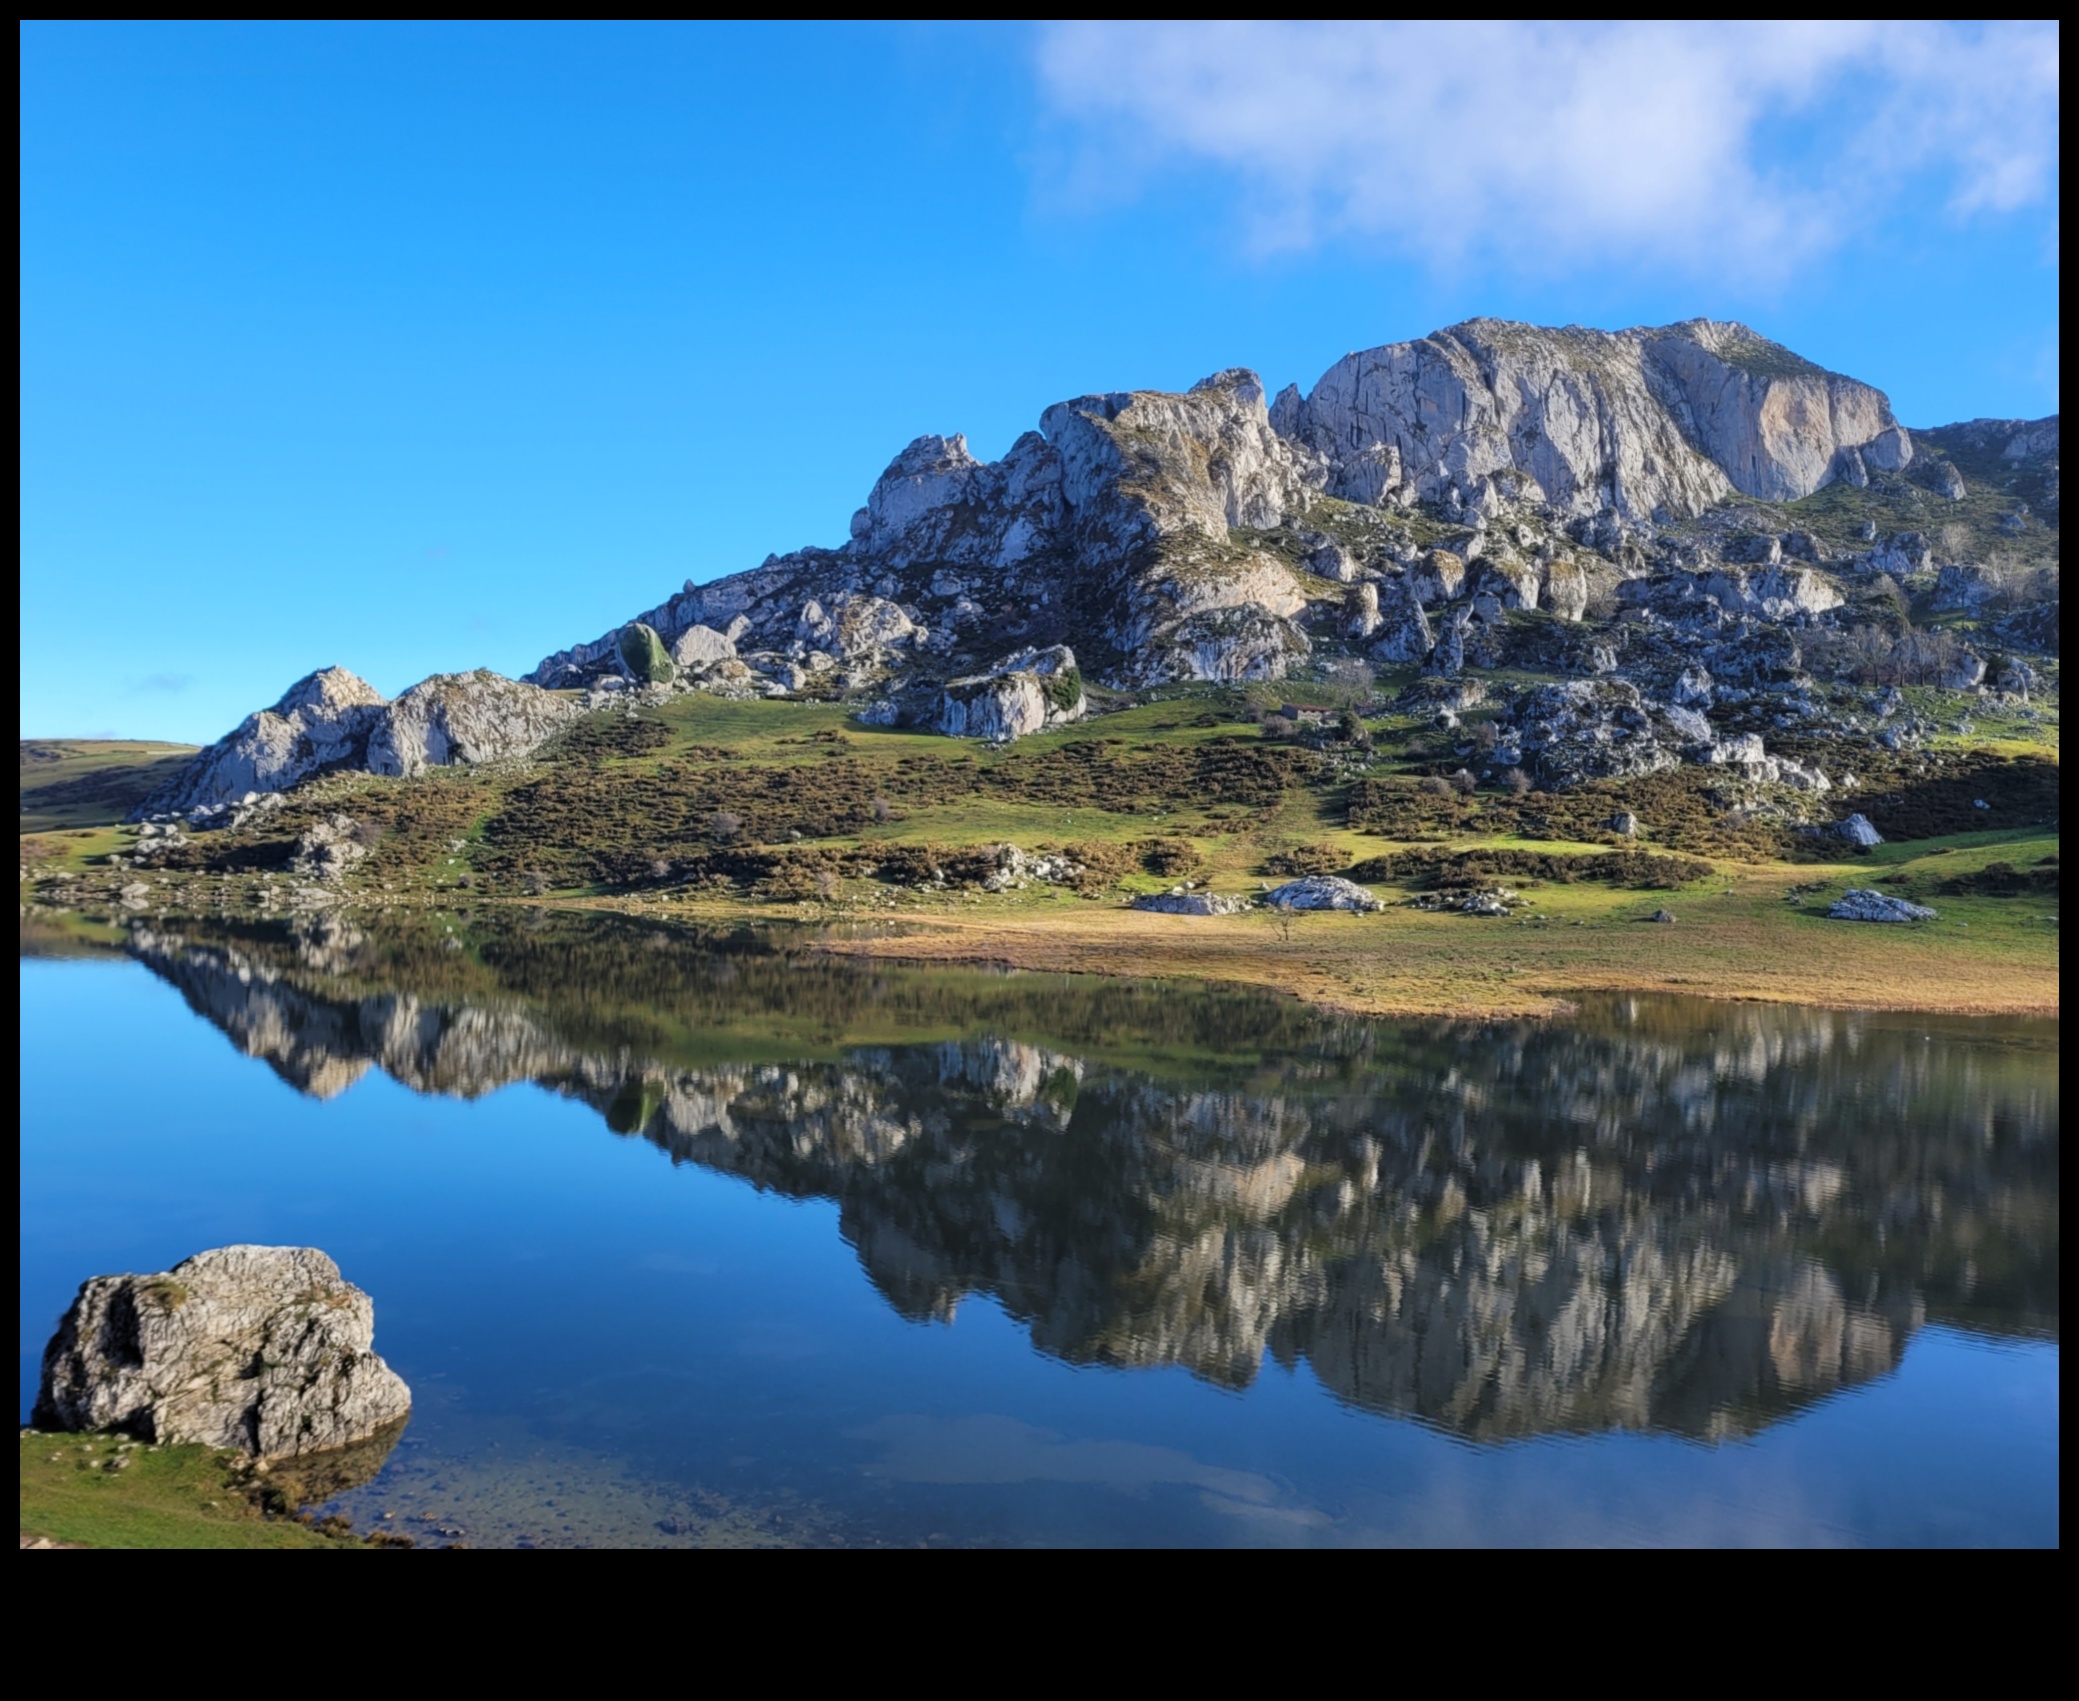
[724,825]
[1277,726]
[1167,857]
[1305,859]
[1516,782]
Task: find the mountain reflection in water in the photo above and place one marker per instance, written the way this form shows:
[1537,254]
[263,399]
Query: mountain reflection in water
[1659,1215]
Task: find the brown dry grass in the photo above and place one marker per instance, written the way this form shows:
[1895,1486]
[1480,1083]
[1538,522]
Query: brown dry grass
[1406,962]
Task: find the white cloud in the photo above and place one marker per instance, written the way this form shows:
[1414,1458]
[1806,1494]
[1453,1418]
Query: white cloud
[1686,144]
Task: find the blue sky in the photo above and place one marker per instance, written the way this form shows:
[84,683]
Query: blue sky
[416,348]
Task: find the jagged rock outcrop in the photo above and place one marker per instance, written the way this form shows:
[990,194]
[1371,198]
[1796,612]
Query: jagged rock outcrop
[1024,693]
[265,1349]
[1599,729]
[332,722]
[322,723]
[1640,422]
[463,717]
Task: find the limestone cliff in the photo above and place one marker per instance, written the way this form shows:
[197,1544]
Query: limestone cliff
[1178,537]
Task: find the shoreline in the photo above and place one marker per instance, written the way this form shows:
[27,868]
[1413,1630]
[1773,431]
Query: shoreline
[1407,963]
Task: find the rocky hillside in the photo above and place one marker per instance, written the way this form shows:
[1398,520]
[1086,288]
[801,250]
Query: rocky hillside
[1672,524]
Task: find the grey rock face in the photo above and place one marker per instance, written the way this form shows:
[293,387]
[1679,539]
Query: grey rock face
[1024,693]
[1671,419]
[1404,630]
[1857,905]
[1602,729]
[265,1349]
[1943,479]
[1964,589]
[701,646]
[1565,588]
[1965,673]
[464,717]
[1322,892]
[322,723]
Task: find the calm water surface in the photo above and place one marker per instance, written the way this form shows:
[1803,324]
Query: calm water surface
[690,1240]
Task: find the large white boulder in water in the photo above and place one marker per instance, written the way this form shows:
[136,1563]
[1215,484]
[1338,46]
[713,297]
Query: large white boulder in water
[266,1349]
[322,722]
[464,717]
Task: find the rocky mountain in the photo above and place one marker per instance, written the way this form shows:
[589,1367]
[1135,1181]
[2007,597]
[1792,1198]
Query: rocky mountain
[1399,510]
[1690,501]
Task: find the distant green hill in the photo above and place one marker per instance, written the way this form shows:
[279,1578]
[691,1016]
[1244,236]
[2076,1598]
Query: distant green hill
[91,782]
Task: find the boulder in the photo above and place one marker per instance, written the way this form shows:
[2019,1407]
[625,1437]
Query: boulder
[1437,578]
[866,625]
[1943,479]
[1965,673]
[1024,693]
[464,717]
[1321,892]
[1855,905]
[1858,831]
[264,1349]
[701,646]
[1189,903]
[1403,633]
[1693,689]
[643,655]
[1625,823]
[326,849]
[1244,642]
[1361,611]
[1564,586]
[1966,590]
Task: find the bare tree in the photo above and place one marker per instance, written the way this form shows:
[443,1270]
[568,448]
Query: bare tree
[1515,782]
[725,825]
[882,809]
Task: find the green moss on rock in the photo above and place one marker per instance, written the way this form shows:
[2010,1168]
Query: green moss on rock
[644,656]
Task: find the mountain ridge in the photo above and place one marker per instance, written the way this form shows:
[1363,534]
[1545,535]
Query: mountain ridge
[1404,509]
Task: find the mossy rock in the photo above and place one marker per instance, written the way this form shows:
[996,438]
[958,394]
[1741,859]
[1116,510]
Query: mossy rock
[644,656]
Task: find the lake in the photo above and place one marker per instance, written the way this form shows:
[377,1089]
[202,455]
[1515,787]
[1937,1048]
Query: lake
[690,1239]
